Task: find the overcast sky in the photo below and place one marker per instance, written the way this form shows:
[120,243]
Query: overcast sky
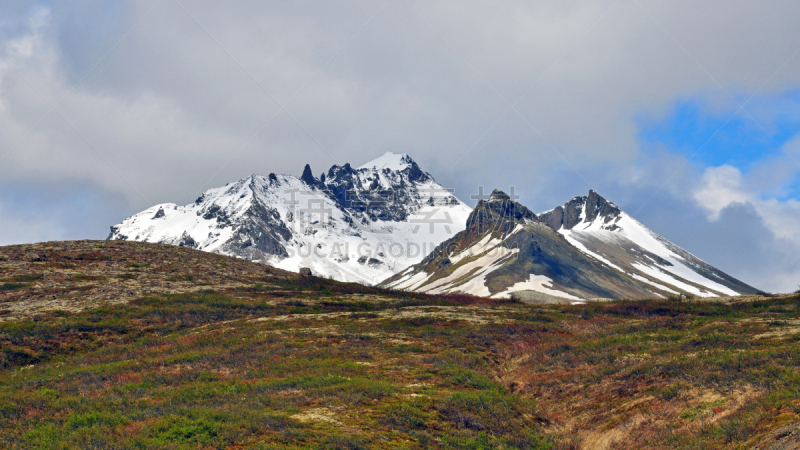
[686,114]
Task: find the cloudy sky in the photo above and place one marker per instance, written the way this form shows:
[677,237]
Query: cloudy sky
[684,113]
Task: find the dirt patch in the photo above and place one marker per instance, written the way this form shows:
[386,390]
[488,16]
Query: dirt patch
[317,415]
[466,313]
[784,438]
[783,329]
[695,409]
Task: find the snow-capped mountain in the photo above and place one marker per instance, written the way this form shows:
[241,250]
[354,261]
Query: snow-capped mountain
[360,225]
[586,249]
[601,230]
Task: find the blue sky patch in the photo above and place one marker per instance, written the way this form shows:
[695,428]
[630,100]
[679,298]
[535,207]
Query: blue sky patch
[714,137]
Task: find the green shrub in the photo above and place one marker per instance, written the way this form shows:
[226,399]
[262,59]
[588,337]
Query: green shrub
[82,277]
[27,278]
[675,298]
[357,391]
[185,278]
[95,419]
[406,416]
[12,286]
[183,430]
[186,357]
[459,376]
[488,410]
[670,392]
[347,442]
[299,383]
[12,355]
[10,411]
[92,256]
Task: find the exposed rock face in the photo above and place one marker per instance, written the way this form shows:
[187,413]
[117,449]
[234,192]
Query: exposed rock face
[308,177]
[159,214]
[500,213]
[260,229]
[603,231]
[187,241]
[597,206]
[504,245]
[306,272]
[384,193]
[572,213]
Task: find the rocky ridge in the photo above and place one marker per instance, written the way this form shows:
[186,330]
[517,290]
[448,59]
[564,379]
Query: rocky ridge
[351,224]
[587,249]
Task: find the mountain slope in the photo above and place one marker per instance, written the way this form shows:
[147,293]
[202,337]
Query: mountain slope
[601,230]
[359,225]
[507,249]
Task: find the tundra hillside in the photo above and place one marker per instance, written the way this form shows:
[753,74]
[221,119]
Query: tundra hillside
[131,345]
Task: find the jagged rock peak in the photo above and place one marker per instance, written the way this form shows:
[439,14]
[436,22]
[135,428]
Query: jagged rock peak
[580,209]
[498,195]
[499,211]
[307,176]
[597,206]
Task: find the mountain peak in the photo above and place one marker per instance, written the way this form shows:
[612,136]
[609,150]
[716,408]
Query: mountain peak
[584,209]
[307,176]
[499,212]
[498,195]
[597,206]
[391,161]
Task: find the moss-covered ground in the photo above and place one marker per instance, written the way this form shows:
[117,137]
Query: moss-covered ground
[281,361]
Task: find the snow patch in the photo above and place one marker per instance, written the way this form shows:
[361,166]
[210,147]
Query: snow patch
[568,236]
[537,283]
[633,236]
[646,280]
[389,160]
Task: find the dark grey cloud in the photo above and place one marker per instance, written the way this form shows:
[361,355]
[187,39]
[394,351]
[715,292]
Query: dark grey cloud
[35,213]
[738,243]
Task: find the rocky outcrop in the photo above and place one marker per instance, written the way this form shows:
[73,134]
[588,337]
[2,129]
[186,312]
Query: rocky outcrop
[260,232]
[308,178]
[580,209]
[385,194]
[499,213]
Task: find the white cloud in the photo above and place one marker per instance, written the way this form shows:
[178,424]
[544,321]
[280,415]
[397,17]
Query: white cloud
[724,186]
[781,217]
[720,187]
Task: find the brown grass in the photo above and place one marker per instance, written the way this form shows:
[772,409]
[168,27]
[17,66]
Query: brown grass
[245,356]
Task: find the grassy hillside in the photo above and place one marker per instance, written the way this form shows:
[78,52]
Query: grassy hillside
[129,345]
